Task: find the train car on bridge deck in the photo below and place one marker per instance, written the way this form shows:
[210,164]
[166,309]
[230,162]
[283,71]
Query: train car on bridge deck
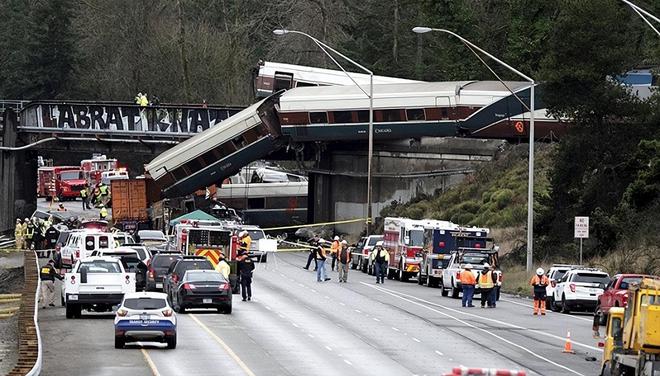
[218,152]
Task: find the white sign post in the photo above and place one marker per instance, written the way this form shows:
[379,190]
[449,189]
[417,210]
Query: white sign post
[581,231]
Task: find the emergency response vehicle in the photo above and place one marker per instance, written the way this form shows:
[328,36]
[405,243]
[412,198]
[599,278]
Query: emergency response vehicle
[209,239]
[403,239]
[441,238]
[93,168]
[63,182]
[477,250]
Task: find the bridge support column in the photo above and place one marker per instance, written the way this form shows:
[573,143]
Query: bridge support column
[18,174]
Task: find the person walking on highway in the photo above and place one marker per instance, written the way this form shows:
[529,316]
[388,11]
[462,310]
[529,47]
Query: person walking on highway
[320,262]
[334,249]
[539,282]
[245,268]
[467,285]
[47,275]
[84,195]
[19,234]
[223,267]
[380,258]
[486,283]
[310,258]
[344,256]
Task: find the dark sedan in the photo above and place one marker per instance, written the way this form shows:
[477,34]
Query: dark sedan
[160,264]
[202,289]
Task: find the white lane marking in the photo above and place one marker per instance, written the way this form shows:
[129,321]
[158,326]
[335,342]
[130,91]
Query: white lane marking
[416,340]
[310,335]
[282,274]
[327,297]
[314,291]
[342,304]
[348,362]
[477,328]
[340,325]
[301,285]
[280,315]
[294,324]
[439,353]
[222,343]
[268,308]
[531,306]
[358,311]
[562,339]
[395,329]
[150,362]
[329,348]
[376,319]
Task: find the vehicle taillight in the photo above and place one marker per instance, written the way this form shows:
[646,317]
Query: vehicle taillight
[151,273]
[73,279]
[458,276]
[122,312]
[224,286]
[188,286]
[572,287]
[58,248]
[553,284]
[77,253]
[499,278]
[167,312]
[477,245]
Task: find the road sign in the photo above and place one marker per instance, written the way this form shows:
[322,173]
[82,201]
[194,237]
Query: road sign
[582,227]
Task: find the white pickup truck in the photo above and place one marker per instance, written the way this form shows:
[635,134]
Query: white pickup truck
[451,282]
[96,284]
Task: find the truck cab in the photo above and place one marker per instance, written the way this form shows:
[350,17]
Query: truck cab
[616,293]
[403,239]
[95,283]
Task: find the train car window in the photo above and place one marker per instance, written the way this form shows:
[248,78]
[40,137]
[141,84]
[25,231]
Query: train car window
[251,135]
[415,114]
[444,113]
[342,116]
[302,84]
[227,148]
[194,165]
[391,115]
[256,203]
[208,158]
[363,116]
[239,142]
[179,173]
[318,117]
[283,81]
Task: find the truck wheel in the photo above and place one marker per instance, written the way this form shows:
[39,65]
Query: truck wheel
[62,300]
[363,266]
[69,311]
[553,305]
[444,291]
[120,342]
[497,296]
[454,292]
[420,280]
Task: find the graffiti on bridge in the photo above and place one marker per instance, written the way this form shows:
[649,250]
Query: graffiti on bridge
[123,118]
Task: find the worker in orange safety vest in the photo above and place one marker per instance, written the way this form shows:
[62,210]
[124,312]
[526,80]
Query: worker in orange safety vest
[467,285]
[539,282]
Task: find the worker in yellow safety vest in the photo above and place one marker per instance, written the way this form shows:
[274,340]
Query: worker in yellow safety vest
[245,240]
[19,234]
[223,267]
[29,234]
[486,284]
[103,213]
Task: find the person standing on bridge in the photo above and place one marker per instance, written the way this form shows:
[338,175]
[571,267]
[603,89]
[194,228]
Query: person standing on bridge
[467,285]
[344,256]
[245,269]
[320,262]
[380,258]
[539,282]
[334,249]
[47,275]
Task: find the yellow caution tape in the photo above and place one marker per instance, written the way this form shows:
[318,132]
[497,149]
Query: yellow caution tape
[319,224]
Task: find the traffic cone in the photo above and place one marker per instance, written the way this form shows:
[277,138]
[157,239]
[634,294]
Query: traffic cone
[568,347]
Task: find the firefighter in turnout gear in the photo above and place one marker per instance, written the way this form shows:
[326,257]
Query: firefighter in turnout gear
[47,275]
[539,282]
[19,234]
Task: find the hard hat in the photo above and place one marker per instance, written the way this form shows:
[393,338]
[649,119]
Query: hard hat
[243,233]
[344,242]
[27,219]
[379,243]
[539,271]
[336,237]
[321,241]
[467,266]
[18,219]
[102,206]
[486,265]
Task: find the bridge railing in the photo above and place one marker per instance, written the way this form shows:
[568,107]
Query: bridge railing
[120,118]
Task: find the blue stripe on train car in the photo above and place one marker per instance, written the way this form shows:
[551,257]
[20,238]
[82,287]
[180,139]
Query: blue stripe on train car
[356,131]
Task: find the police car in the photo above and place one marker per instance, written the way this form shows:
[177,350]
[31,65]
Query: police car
[578,289]
[145,316]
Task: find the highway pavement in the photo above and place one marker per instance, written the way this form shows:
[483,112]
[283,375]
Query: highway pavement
[297,326]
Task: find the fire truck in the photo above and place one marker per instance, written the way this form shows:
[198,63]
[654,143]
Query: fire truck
[93,168]
[63,182]
[403,239]
[441,239]
[209,239]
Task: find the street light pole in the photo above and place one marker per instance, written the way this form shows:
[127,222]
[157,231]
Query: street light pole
[324,47]
[530,182]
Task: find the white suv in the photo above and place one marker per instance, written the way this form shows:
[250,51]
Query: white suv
[555,274]
[579,289]
[81,244]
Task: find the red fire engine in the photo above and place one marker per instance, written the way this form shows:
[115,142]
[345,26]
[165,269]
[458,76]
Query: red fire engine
[63,182]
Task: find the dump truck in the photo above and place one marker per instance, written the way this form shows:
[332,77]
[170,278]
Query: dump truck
[632,338]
